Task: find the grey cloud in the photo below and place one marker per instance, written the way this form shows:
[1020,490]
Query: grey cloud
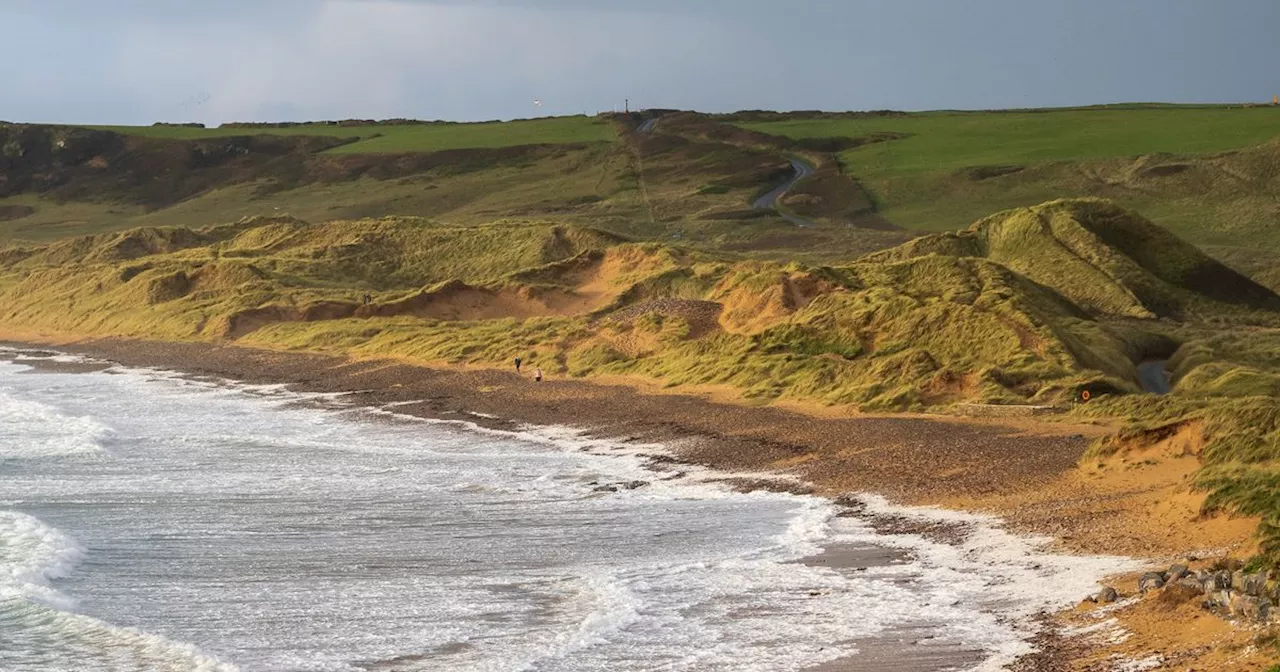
[140,60]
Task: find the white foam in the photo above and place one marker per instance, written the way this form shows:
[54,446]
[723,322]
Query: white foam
[991,584]
[32,556]
[721,611]
[35,430]
[1011,576]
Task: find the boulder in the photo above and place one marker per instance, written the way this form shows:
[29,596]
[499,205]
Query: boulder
[1150,581]
[1237,580]
[1255,585]
[1190,583]
[1250,608]
[1175,573]
[1219,599]
[619,487]
[1107,595]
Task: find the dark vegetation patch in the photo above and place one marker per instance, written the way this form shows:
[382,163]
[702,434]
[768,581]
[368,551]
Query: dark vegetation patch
[754,116]
[980,173]
[834,145]
[1167,169]
[12,212]
[738,215]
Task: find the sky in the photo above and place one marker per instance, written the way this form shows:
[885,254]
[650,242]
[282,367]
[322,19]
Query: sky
[211,61]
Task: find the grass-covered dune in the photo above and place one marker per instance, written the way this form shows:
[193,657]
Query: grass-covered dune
[1107,260]
[1023,307]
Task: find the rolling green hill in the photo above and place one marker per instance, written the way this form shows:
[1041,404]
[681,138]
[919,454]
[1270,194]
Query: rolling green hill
[951,141]
[1207,173]
[403,138]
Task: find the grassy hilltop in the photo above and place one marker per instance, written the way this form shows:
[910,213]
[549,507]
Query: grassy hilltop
[947,259]
[1208,173]
[398,139]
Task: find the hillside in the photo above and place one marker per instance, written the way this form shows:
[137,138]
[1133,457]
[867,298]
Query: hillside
[403,136]
[679,182]
[1207,173]
[1107,260]
[1017,304]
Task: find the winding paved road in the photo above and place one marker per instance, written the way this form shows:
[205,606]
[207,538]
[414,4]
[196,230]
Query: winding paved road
[769,201]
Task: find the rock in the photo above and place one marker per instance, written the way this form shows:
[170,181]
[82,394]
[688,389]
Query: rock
[1237,580]
[1176,573]
[1251,608]
[1255,585]
[1191,583]
[1107,595]
[1150,581]
[619,487]
[1222,579]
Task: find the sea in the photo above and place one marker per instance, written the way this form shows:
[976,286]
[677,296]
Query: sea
[155,521]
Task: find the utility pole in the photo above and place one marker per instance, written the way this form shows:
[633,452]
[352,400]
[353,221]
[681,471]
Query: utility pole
[627,105]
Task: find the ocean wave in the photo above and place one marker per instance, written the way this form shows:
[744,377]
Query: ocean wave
[39,628]
[1005,579]
[31,555]
[719,610]
[37,430]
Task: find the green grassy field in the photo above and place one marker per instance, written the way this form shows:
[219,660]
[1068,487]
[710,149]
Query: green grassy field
[949,141]
[414,137]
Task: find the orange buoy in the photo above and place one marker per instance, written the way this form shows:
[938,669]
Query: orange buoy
[1085,395]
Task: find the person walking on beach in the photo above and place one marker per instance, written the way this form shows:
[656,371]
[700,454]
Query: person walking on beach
[537,375]
[518,363]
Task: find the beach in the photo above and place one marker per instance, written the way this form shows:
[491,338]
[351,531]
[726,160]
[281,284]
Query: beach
[1018,469]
